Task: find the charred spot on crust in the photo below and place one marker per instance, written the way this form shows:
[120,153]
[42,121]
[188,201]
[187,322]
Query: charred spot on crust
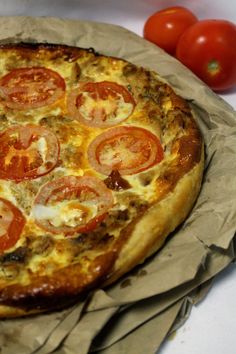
[60,53]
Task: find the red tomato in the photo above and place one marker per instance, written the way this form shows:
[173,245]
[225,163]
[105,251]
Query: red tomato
[127,149]
[27,152]
[208,48]
[72,204]
[27,88]
[12,222]
[165,27]
[100,104]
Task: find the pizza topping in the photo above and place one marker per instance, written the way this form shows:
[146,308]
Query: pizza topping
[62,127]
[93,240]
[28,88]
[115,219]
[9,271]
[72,204]
[100,104]
[27,152]
[115,182]
[127,149]
[17,256]
[130,69]
[12,222]
[42,245]
[75,73]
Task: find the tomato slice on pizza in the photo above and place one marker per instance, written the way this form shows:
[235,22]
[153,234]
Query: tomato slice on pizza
[100,104]
[12,222]
[128,149]
[72,204]
[27,152]
[33,87]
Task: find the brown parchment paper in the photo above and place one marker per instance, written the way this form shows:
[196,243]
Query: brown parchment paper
[147,302]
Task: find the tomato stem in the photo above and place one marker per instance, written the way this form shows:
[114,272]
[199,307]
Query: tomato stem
[213,67]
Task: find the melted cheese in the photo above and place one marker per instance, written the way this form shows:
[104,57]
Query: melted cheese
[69,213]
[42,147]
[114,109]
[6,218]
[74,139]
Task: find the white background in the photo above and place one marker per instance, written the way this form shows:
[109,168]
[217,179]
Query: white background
[211,328]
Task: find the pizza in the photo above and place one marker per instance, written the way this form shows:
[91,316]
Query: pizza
[100,161]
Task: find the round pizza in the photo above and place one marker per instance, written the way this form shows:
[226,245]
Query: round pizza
[100,160]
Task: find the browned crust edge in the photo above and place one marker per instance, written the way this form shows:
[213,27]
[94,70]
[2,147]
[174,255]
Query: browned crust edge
[44,45]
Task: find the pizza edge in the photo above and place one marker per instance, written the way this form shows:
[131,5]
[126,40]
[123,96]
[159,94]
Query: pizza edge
[133,252]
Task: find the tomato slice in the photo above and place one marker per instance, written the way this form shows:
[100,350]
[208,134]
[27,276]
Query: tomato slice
[34,87]
[12,222]
[72,204]
[27,152]
[100,104]
[127,149]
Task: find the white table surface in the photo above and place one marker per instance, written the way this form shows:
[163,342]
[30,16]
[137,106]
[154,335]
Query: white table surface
[211,328]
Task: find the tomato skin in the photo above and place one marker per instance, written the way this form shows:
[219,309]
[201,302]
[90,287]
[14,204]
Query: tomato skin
[128,149]
[31,87]
[19,159]
[208,48]
[14,226]
[165,27]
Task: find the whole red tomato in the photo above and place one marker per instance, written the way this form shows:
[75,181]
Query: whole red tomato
[166,26]
[208,48]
